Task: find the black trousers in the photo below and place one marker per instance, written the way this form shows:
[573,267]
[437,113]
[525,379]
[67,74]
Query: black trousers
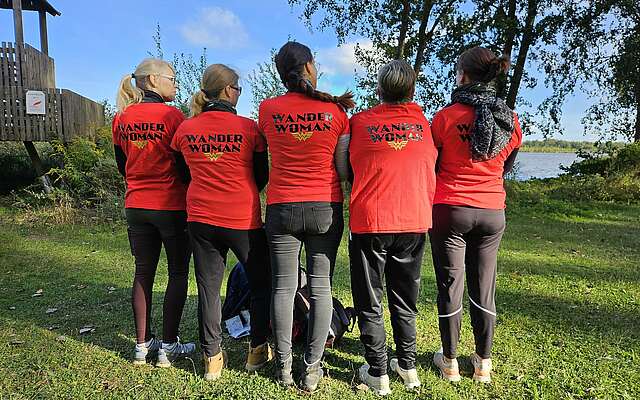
[148,230]
[210,246]
[465,241]
[396,258]
[319,226]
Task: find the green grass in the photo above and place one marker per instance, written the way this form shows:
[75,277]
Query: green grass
[568,298]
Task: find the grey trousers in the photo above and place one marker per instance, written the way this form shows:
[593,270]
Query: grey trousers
[319,226]
[465,241]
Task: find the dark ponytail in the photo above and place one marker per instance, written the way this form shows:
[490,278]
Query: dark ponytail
[290,62]
[481,64]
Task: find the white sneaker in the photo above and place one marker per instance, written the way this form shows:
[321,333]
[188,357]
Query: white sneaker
[170,352]
[409,376]
[448,367]
[378,384]
[146,350]
[481,368]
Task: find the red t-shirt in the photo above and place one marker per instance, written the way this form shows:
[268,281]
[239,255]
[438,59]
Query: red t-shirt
[144,132]
[393,159]
[218,147]
[302,134]
[460,180]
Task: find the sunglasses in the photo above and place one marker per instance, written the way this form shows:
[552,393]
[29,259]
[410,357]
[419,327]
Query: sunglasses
[169,77]
[238,88]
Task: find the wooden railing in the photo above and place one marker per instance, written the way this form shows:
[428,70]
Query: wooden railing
[23,65]
[67,114]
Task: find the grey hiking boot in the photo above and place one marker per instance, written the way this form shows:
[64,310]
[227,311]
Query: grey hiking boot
[170,352]
[146,350]
[311,377]
[283,371]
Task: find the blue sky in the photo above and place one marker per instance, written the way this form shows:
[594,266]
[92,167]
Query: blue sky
[95,43]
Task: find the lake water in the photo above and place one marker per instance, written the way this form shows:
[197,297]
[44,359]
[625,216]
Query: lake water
[541,165]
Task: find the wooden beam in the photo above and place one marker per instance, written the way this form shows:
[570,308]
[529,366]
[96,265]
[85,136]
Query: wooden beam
[37,165]
[17,21]
[44,42]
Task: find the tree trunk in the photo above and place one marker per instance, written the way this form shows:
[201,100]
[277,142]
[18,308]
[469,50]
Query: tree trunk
[636,136]
[528,38]
[404,27]
[427,6]
[509,40]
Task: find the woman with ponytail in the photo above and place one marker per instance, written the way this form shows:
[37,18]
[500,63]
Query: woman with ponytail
[227,159]
[308,136]
[477,137]
[154,203]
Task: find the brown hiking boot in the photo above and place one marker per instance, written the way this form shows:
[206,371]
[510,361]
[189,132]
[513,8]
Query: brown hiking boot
[481,368]
[258,356]
[213,366]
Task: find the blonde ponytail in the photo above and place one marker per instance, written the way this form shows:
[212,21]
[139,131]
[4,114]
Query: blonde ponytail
[198,101]
[215,78]
[129,94]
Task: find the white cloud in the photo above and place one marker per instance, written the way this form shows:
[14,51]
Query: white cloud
[215,28]
[341,60]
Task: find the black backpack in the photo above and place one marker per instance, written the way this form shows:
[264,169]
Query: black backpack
[238,293]
[342,319]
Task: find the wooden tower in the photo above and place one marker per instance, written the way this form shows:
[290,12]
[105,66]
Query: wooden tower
[32,109]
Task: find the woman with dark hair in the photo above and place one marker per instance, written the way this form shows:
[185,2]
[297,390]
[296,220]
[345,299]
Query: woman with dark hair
[227,159]
[478,137]
[307,132]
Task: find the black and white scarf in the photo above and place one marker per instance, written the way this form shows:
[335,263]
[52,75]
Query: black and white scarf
[219,105]
[494,121]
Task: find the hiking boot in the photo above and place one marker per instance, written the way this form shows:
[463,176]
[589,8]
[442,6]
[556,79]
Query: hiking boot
[378,384]
[146,350]
[170,352]
[283,371]
[409,376]
[258,356]
[448,367]
[311,377]
[481,368]
[213,365]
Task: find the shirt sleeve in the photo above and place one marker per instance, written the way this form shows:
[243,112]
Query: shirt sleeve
[437,128]
[114,130]
[175,141]
[260,141]
[518,131]
[346,130]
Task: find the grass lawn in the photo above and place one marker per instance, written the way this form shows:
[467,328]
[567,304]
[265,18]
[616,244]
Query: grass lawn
[568,303]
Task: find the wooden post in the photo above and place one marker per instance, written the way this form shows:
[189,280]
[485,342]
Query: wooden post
[17,21]
[37,165]
[44,42]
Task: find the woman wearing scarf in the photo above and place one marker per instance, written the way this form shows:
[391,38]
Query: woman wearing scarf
[477,137]
[227,161]
[154,203]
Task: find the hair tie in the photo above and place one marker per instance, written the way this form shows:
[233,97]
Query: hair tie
[133,76]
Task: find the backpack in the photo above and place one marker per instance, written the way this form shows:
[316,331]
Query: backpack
[238,293]
[342,318]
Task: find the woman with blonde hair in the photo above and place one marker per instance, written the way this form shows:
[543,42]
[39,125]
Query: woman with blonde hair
[154,203]
[227,160]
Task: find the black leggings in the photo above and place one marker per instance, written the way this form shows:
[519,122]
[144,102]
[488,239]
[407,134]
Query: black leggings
[148,230]
[465,240]
[210,246]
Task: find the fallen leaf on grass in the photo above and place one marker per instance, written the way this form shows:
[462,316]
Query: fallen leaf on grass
[16,342]
[51,310]
[53,327]
[38,293]
[61,338]
[80,287]
[362,387]
[12,308]
[87,329]
[111,289]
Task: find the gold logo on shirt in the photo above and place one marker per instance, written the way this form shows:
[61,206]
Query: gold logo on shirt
[398,145]
[213,156]
[140,143]
[302,136]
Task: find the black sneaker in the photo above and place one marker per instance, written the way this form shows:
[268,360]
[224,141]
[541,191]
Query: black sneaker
[283,371]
